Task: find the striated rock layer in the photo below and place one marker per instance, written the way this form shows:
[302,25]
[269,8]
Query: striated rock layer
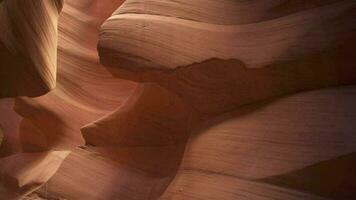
[185,131]
[28,46]
[216,64]
[298,147]
[171,34]
[39,133]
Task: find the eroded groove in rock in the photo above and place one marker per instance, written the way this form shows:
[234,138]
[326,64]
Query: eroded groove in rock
[299,143]
[137,134]
[50,124]
[152,116]
[307,179]
[309,49]
[56,135]
[23,173]
[28,53]
[28,46]
[147,39]
[214,67]
[188,185]
[216,86]
[209,11]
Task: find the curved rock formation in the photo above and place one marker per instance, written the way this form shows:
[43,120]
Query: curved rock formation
[185,52]
[28,47]
[297,147]
[314,44]
[215,65]
[23,173]
[42,131]
[184,131]
[172,34]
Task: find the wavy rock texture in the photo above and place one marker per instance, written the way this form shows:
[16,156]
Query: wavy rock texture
[297,147]
[275,149]
[42,131]
[26,172]
[216,64]
[28,46]
[171,34]
[178,134]
[140,41]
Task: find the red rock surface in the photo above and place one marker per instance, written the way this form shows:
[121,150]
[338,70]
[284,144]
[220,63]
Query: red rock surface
[200,114]
[28,47]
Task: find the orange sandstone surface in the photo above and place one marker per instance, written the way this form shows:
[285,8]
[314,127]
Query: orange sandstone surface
[200,99]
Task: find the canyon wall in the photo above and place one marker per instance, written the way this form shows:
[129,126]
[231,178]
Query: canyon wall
[28,47]
[178,99]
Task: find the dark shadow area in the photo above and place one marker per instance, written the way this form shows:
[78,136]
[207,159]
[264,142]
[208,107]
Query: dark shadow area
[334,178]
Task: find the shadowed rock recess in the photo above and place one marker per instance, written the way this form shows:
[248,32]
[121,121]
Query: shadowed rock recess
[177,99]
[28,46]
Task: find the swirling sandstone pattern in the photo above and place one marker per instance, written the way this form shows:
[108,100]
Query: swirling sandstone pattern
[302,49]
[28,46]
[42,131]
[180,133]
[217,62]
[171,34]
